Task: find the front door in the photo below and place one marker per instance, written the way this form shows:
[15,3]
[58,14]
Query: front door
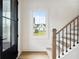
[8,29]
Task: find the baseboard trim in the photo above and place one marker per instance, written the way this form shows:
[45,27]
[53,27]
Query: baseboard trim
[44,52]
[26,52]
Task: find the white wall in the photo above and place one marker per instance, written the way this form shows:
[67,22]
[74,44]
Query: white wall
[60,12]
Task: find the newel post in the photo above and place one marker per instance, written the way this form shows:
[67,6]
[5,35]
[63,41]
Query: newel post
[54,44]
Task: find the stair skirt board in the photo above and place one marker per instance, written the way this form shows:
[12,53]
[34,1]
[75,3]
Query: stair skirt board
[49,52]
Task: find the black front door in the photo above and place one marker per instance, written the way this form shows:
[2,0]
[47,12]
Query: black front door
[8,29]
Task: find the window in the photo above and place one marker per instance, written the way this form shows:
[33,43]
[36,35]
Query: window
[9,24]
[39,23]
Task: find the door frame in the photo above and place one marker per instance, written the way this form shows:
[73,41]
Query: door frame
[0,29]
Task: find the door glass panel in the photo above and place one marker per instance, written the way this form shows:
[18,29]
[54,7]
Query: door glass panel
[6,34]
[13,24]
[6,8]
[6,24]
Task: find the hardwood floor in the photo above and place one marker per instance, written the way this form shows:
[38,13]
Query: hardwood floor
[34,56]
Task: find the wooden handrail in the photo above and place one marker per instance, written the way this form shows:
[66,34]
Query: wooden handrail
[54,44]
[67,24]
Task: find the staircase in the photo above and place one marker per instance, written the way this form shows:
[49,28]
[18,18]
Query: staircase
[65,39]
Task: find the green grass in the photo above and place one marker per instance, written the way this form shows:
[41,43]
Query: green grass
[40,33]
